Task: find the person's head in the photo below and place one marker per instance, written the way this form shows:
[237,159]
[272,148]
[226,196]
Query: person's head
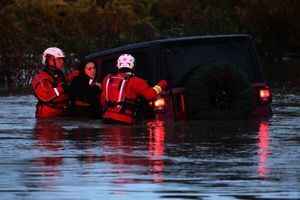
[125,61]
[89,69]
[53,57]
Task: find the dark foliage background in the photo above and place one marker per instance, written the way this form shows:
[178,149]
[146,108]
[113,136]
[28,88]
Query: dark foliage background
[79,27]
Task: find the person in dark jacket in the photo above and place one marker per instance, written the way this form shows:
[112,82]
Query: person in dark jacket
[122,90]
[85,92]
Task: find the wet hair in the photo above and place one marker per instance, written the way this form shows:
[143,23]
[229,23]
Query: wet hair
[83,64]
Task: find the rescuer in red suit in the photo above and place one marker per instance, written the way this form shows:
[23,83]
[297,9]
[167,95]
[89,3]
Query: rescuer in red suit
[50,85]
[122,90]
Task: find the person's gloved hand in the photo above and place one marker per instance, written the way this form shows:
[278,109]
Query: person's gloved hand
[163,84]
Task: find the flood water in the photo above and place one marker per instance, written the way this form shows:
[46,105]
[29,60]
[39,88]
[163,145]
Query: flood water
[83,159]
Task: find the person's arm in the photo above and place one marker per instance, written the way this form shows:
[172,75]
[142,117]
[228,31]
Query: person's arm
[45,90]
[144,89]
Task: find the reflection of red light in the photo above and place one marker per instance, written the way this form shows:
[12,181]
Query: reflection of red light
[156,148]
[49,136]
[264,94]
[263,145]
[156,143]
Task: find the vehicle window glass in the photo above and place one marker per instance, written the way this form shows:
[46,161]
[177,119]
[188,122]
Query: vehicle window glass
[183,58]
[108,65]
[141,65]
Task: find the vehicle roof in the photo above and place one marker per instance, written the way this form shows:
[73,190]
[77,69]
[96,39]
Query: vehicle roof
[162,41]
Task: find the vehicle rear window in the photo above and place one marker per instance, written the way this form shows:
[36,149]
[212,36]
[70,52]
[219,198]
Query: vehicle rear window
[184,57]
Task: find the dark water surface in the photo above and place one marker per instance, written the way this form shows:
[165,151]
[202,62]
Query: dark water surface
[84,159]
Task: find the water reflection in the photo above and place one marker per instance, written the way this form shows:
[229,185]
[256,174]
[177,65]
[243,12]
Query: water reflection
[84,159]
[119,149]
[49,135]
[118,146]
[123,148]
[129,150]
[156,146]
[44,167]
[263,151]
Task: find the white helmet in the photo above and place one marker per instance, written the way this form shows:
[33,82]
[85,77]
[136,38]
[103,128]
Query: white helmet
[125,60]
[53,51]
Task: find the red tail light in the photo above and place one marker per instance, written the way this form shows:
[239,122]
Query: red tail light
[265,94]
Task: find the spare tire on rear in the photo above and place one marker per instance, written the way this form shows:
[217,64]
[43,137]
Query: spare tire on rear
[218,92]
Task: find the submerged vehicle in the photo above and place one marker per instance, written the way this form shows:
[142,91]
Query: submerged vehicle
[210,77]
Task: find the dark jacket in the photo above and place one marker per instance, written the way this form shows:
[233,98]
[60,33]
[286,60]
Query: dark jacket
[85,97]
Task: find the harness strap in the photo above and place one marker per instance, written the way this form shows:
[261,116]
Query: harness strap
[121,103]
[121,93]
[121,96]
[106,88]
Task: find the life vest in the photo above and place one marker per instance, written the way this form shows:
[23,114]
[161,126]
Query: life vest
[115,96]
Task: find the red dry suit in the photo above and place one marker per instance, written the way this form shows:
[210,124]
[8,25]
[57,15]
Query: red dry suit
[120,94]
[48,86]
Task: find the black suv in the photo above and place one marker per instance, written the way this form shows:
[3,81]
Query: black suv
[210,77]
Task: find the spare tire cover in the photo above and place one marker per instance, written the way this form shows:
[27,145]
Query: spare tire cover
[218,92]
